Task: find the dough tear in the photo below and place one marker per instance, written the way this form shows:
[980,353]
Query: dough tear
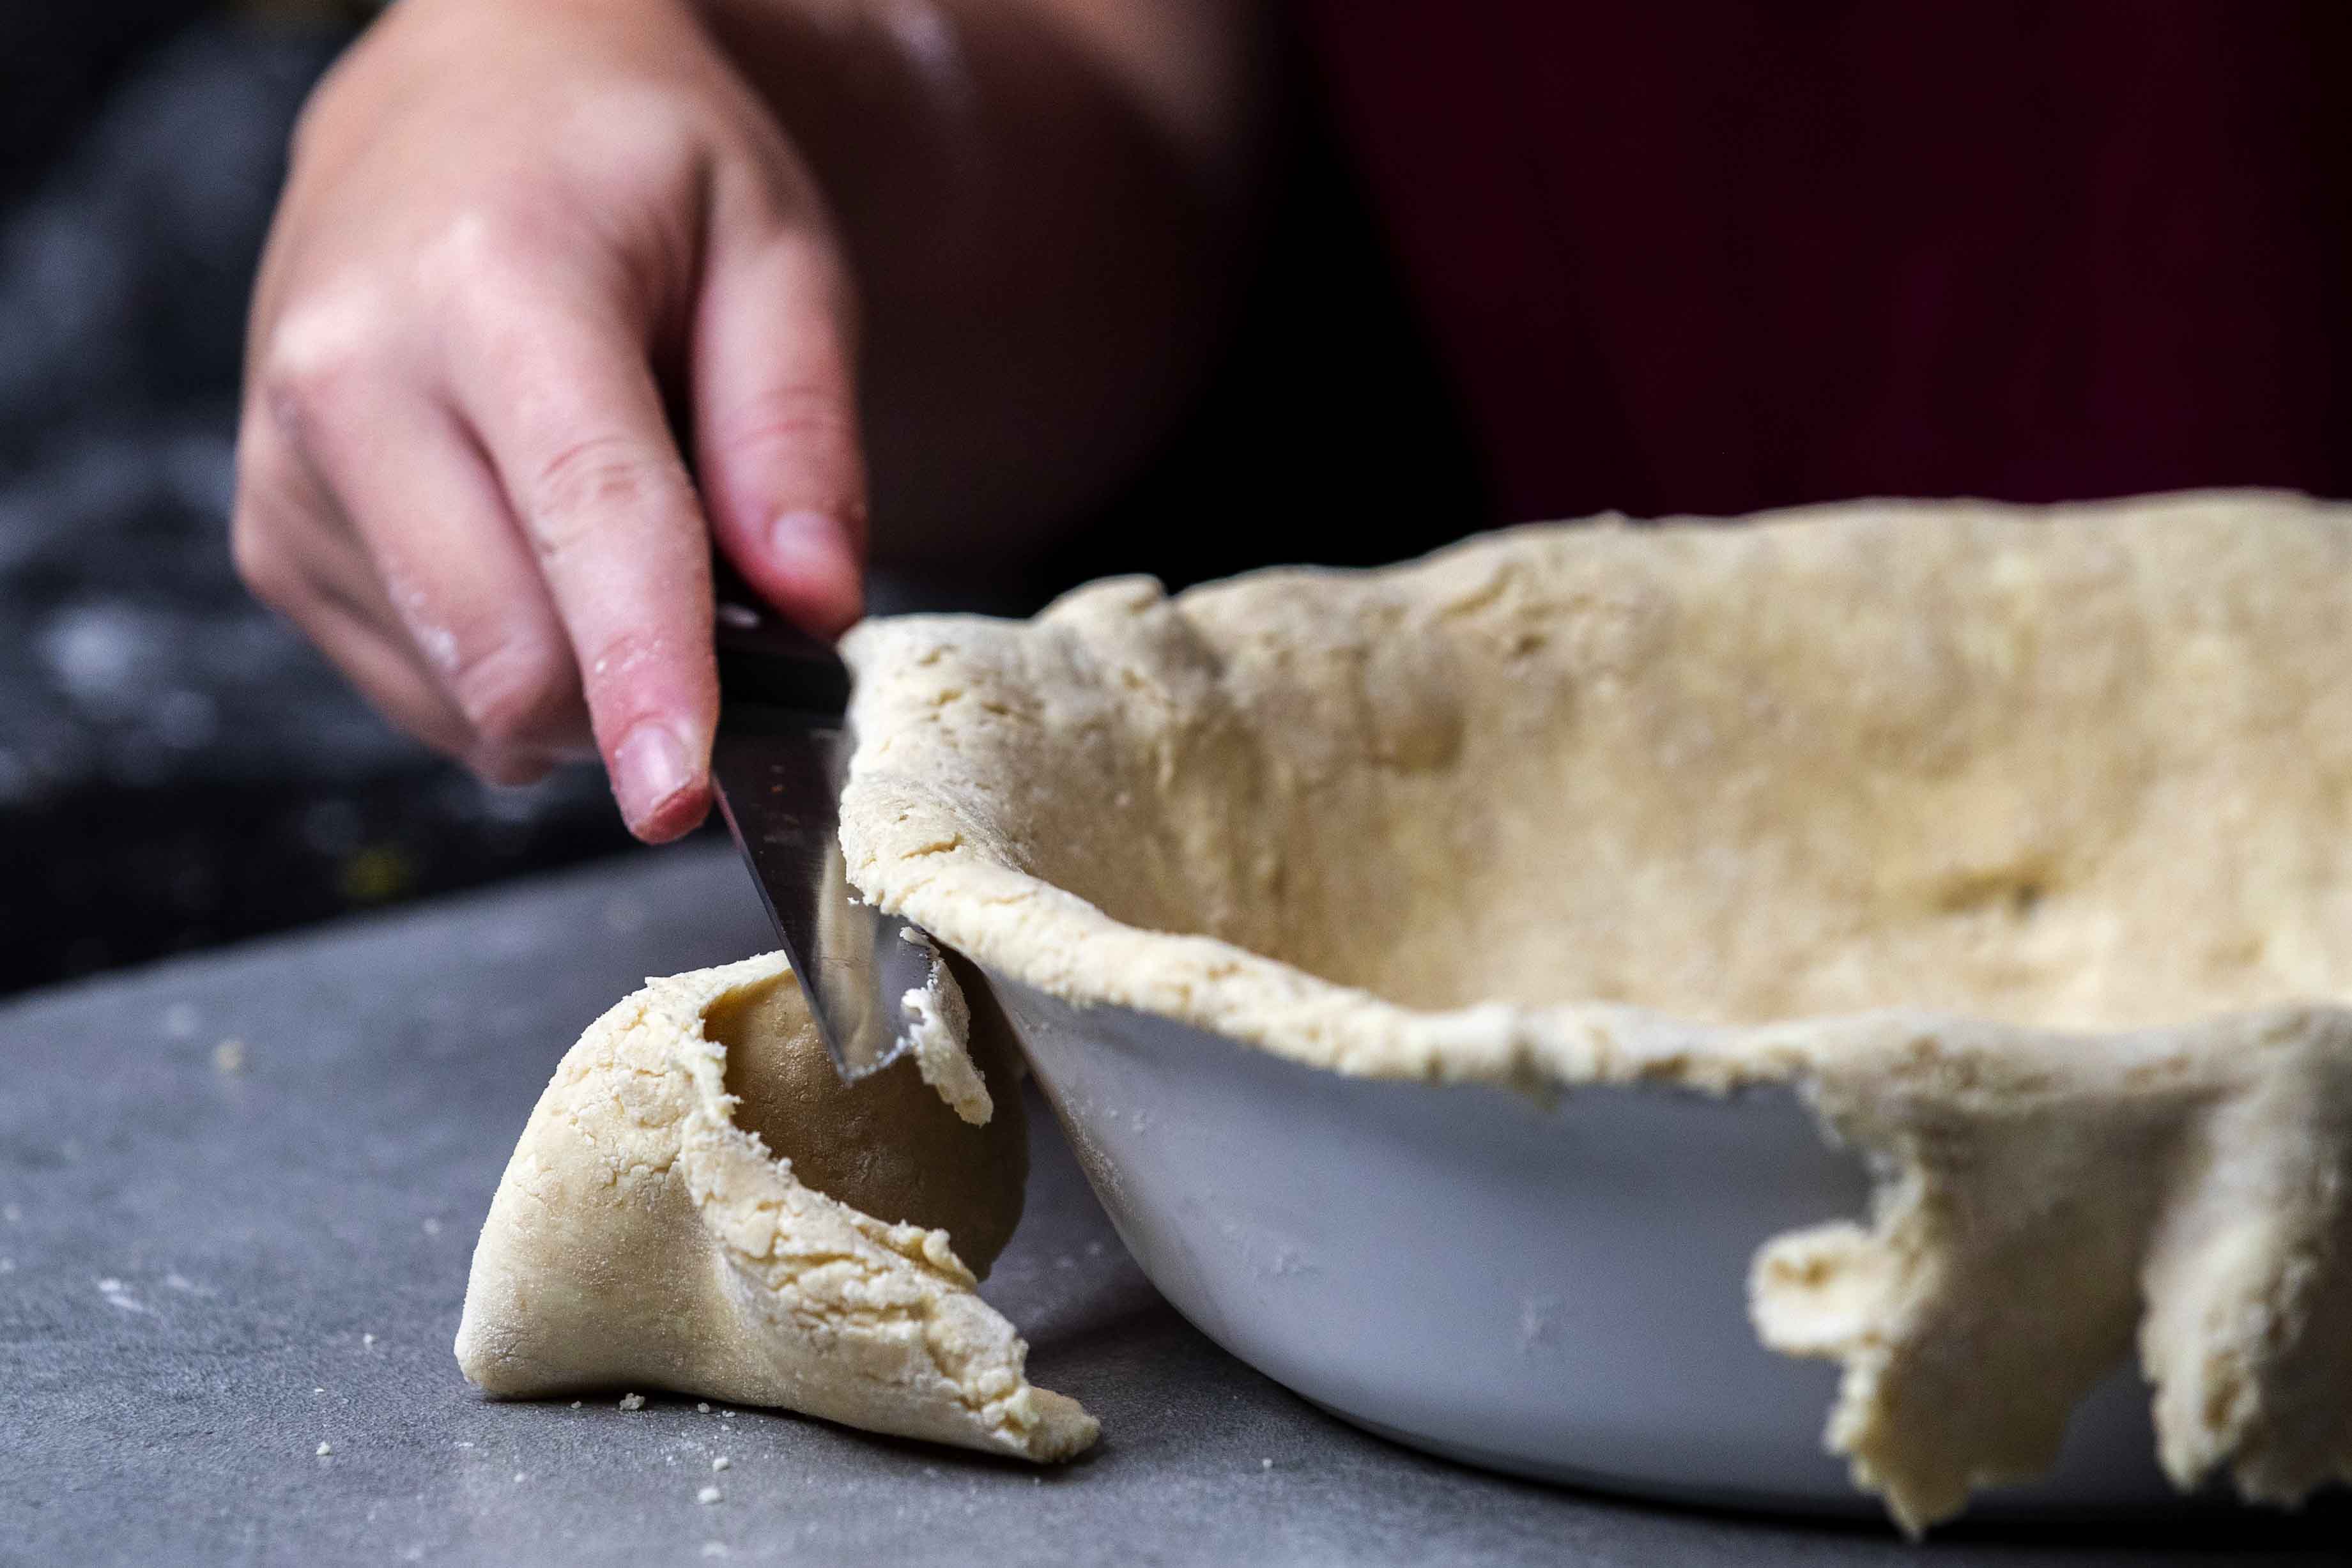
[641,1237]
[936,1021]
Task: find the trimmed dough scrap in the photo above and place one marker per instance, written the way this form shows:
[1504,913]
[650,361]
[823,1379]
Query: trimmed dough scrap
[2019,839]
[662,1223]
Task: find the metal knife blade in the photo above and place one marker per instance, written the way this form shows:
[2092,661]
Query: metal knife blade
[778,760]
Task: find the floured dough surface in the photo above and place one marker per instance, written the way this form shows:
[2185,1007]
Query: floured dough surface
[647,1231]
[891,1146]
[2020,838]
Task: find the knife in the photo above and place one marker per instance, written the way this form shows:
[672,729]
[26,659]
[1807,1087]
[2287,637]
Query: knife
[778,760]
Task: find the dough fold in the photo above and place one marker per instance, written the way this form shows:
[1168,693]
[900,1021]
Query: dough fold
[2187,1186]
[641,1237]
[2019,839]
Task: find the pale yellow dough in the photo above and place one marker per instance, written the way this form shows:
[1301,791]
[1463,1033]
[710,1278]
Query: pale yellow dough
[641,1237]
[2020,839]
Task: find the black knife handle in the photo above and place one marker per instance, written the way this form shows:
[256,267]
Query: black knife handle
[764,658]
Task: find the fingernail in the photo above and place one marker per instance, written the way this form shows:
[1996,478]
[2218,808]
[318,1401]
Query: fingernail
[809,537]
[649,767]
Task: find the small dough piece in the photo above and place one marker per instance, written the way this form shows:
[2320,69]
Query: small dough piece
[646,1233]
[936,1020]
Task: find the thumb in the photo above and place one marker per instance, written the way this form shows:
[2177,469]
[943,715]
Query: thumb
[775,411]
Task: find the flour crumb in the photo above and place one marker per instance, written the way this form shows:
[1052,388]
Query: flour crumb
[229,1057]
[707,1495]
[727,1414]
[1265,1464]
[633,1401]
[318,1391]
[119,1295]
[702,1407]
[325,1449]
[367,1339]
[714,1549]
[575,1405]
[721,1462]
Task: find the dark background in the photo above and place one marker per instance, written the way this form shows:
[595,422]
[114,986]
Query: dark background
[178,768]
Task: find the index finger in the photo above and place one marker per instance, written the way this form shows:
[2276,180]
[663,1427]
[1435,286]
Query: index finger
[565,403]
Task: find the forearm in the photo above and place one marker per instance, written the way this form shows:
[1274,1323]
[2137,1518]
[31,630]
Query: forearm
[1042,200]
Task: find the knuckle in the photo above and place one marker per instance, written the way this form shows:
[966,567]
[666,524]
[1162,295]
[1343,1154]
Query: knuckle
[592,482]
[637,139]
[266,569]
[320,352]
[484,255]
[788,415]
[490,260]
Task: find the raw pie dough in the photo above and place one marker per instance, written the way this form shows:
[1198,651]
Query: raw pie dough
[698,1203]
[2021,840]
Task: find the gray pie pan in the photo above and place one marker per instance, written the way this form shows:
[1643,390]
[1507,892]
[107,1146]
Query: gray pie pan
[1557,1292]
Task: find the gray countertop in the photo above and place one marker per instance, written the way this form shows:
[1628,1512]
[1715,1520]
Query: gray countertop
[205,1274]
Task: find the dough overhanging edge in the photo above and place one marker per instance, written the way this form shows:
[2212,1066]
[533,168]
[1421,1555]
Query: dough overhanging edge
[2214,1159]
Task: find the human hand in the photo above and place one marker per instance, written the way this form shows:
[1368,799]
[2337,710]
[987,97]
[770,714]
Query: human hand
[516,234]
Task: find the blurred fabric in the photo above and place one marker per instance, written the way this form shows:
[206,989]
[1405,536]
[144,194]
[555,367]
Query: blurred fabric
[1720,255]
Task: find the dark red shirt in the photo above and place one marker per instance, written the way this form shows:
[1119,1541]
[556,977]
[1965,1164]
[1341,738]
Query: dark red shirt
[1710,256]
